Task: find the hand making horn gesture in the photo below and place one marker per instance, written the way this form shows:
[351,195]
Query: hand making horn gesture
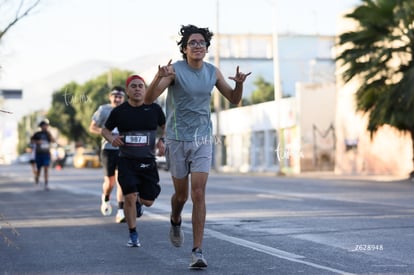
[239,77]
[166,70]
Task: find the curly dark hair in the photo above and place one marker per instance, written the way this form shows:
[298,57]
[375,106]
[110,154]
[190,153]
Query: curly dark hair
[188,30]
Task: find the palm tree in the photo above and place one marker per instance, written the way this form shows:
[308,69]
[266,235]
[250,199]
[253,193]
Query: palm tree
[379,53]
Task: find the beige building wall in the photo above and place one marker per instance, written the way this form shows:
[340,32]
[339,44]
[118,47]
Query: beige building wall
[316,105]
[389,152]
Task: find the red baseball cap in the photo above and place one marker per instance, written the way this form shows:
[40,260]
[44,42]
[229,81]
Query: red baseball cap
[132,77]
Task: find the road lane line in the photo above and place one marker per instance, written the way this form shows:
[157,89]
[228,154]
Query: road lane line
[252,245]
[271,251]
[237,241]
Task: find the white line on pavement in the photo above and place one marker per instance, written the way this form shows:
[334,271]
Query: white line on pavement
[248,244]
[237,241]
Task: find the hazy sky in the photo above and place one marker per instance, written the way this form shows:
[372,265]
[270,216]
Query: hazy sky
[65,32]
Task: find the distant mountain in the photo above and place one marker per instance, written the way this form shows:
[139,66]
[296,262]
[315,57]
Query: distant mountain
[37,94]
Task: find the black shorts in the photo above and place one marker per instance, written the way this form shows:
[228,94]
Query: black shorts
[110,159]
[139,175]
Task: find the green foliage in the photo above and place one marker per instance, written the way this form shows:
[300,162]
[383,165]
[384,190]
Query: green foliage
[264,91]
[62,113]
[73,106]
[379,53]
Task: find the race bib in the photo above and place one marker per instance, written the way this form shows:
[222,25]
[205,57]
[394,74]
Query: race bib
[44,146]
[138,144]
[136,139]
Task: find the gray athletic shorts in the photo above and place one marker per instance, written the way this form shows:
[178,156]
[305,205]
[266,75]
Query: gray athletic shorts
[185,157]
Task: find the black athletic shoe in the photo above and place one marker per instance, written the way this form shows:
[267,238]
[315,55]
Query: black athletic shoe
[140,209]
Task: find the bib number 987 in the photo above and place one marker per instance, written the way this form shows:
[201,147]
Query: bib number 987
[136,139]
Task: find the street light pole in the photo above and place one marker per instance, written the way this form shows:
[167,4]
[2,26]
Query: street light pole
[276,72]
[277,88]
[217,100]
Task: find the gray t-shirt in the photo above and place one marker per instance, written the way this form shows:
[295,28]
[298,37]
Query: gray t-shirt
[188,103]
[100,117]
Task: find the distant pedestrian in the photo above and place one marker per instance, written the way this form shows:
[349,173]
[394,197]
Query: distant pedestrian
[138,125]
[189,128]
[32,161]
[43,140]
[109,154]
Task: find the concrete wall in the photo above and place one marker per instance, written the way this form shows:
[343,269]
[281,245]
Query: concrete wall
[389,152]
[317,104]
[251,141]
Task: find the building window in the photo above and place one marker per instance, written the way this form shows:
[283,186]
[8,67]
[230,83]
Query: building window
[272,141]
[258,149]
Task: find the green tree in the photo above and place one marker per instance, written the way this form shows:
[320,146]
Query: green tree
[264,91]
[62,113]
[73,106]
[379,53]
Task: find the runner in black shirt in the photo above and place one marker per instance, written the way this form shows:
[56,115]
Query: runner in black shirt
[43,140]
[137,171]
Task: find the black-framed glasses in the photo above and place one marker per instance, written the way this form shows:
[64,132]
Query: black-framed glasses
[193,44]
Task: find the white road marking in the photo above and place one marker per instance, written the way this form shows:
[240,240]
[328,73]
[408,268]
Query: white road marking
[237,241]
[248,244]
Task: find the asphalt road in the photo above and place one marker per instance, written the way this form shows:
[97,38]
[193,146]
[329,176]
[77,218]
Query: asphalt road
[255,225]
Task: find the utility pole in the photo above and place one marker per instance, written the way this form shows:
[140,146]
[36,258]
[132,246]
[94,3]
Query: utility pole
[276,77]
[276,72]
[109,28]
[217,100]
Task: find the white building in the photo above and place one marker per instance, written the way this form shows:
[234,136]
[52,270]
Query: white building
[279,136]
[313,127]
[8,125]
